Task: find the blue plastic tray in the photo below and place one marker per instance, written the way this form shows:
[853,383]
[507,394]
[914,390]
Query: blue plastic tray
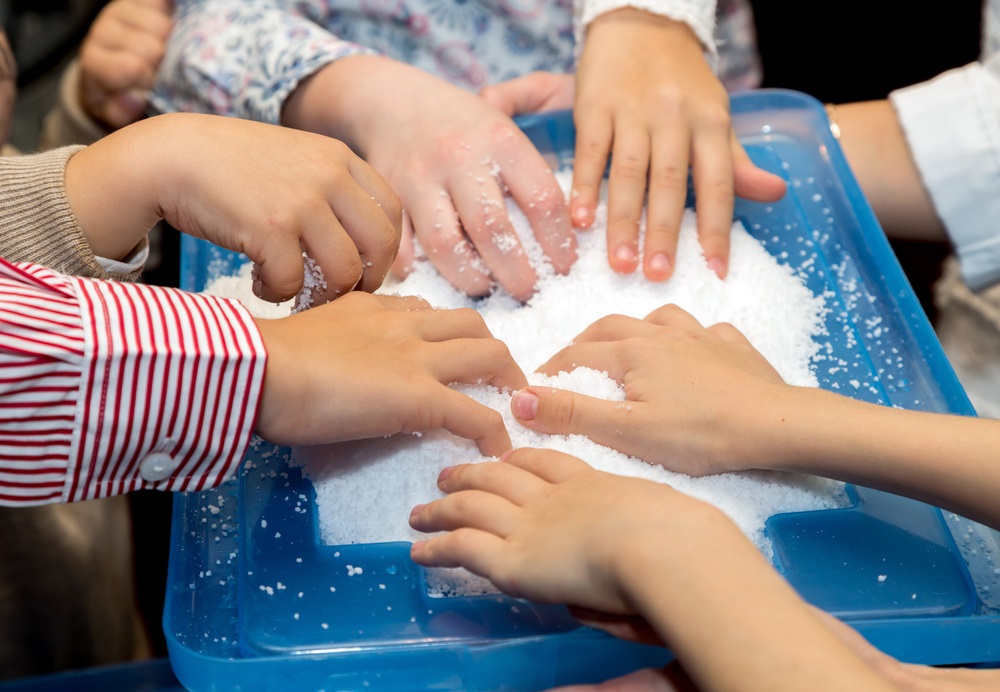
[255,601]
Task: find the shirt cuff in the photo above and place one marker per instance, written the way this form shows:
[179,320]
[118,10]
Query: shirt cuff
[697,14]
[953,133]
[132,264]
[168,393]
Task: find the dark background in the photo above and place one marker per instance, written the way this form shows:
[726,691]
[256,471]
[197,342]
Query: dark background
[852,50]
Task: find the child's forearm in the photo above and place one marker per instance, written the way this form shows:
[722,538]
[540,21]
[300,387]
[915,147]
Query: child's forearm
[111,187]
[732,620]
[879,155]
[341,99]
[947,460]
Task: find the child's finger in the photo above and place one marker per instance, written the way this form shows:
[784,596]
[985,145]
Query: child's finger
[403,264]
[560,412]
[548,464]
[462,416]
[712,171]
[537,193]
[131,28]
[477,361]
[668,173]
[626,193]
[590,159]
[604,356]
[437,229]
[751,182]
[325,241]
[403,303]
[727,332]
[614,328]
[483,212]
[453,323]
[379,190]
[375,235]
[477,551]
[474,509]
[505,480]
[672,315]
[114,71]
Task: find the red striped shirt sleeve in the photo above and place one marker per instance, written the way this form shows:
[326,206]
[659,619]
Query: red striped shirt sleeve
[110,387]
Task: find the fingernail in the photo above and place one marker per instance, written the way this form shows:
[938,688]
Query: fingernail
[506,455]
[625,258]
[445,472]
[525,405]
[626,253]
[718,266]
[417,545]
[416,509]
[659,264]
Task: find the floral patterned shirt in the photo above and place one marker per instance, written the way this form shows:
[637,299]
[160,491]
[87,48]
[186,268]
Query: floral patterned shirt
[243,58]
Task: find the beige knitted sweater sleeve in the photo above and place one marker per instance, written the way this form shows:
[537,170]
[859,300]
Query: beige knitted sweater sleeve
[36,222]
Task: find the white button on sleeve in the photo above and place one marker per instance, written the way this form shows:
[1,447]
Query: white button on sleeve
[157,466]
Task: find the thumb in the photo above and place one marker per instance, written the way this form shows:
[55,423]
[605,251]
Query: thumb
[752,182]
[560,412]
[279,277]
[403,264]
[533,92]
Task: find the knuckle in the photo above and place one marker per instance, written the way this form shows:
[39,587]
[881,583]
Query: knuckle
[668,177]
[497,351]
[717,192]
[347,274]
[548,201]
[386,242]
[590,150]
[563,412]
[661,229]
[715,118]
[669,100]
[629,166]
[493,420]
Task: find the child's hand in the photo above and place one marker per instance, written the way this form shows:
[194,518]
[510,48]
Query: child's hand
[657,115]
[368,366]
[695,397]
[453,159]
[267,191]
[545,526]
[119,58]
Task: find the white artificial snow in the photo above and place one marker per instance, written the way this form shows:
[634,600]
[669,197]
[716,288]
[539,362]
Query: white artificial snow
[365,489]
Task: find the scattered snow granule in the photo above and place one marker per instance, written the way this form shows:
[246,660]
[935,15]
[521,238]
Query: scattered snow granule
[881,578]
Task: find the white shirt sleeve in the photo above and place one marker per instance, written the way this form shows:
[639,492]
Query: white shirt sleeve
[952,125]
[699,15]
